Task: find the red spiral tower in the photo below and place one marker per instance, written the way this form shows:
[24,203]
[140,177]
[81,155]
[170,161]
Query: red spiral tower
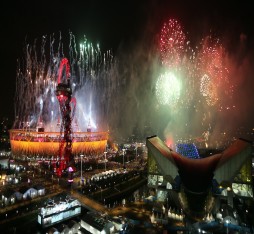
[64,97]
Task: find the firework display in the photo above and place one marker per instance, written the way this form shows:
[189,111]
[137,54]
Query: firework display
[42,116]
[192,83]
[36,103]
[177,59]
[202,68]
[172,43]
[188,86]
[168,88]
[213,73]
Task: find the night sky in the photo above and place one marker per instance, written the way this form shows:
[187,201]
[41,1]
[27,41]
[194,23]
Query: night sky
[117,24]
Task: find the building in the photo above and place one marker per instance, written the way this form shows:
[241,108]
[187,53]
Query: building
[56,212]
[95,223]
[193,182]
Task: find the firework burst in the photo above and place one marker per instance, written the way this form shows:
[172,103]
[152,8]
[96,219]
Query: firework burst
[168,89]
[172,43]
[37,79]
[212,71]
[177,58]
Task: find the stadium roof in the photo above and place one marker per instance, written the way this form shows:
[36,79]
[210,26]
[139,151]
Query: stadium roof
[196,174]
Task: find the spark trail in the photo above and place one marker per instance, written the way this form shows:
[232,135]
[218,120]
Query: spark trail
[36,80]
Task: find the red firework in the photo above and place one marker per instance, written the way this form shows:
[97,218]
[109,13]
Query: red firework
[172,43]
[212,70]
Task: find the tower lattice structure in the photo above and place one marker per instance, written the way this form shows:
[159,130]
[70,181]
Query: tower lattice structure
[64,96]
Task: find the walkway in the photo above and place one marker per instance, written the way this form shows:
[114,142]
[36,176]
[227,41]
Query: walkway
[89,203]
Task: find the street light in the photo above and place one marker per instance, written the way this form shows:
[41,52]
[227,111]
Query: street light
[105,154]
[227,221]
[101,192]
[123,156]
[81,172]
[136,150]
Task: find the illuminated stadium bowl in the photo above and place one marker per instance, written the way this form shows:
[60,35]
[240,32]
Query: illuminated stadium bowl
[34,143]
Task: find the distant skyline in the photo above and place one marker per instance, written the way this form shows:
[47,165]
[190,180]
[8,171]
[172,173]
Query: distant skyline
[123,26]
